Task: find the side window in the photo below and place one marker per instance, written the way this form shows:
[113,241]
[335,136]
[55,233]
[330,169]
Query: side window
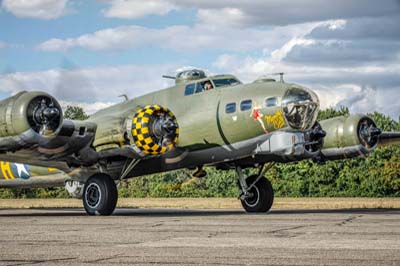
[199,88]
[230,108]
[245,105]
[269,102]
[189,89]
[207,85]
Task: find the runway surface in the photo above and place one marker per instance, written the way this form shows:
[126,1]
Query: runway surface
[199,237]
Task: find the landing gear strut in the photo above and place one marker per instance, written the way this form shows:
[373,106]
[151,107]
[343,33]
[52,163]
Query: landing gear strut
[100,195]
[256,192]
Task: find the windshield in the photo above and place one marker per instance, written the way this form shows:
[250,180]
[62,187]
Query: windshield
[225,82]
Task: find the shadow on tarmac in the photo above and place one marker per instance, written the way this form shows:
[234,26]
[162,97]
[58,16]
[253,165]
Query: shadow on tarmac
[71,212]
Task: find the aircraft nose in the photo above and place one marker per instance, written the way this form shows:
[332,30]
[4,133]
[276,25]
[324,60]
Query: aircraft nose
[300,107]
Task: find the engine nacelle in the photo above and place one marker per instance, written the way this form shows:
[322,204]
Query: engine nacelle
[30,110]
[349,136]
[155,130]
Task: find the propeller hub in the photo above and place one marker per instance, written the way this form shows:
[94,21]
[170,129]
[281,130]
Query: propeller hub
[368,132]
[51,113]
[44,115]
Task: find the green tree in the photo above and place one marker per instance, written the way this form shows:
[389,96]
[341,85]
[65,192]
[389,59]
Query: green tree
[75,113]
[331,112]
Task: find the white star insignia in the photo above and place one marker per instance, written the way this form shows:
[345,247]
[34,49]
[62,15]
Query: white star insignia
[21,169]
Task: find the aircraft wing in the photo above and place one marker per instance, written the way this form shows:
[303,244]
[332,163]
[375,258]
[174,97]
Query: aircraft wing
[33,131]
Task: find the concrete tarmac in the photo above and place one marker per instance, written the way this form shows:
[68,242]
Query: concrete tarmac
[199,237]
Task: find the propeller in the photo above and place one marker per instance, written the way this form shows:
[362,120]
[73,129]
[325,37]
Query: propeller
[315,137]
[44,115]
[368,133]
[164,129]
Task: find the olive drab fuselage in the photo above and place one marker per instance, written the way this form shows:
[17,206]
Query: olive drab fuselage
[202,117]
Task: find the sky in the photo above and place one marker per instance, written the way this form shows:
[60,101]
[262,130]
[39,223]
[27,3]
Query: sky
[88,52]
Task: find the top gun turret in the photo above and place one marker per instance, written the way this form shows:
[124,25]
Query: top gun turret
[187,75]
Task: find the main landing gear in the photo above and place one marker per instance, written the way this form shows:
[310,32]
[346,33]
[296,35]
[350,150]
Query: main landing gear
[256,192]
[100,195]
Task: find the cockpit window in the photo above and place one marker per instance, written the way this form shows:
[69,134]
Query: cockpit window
[199,88]
[245,105]
[189,89]
[269,102]
[225,82]
[207,85]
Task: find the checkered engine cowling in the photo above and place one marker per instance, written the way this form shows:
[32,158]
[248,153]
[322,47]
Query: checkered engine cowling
[145,134]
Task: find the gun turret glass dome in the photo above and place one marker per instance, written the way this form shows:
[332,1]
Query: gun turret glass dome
[300,107]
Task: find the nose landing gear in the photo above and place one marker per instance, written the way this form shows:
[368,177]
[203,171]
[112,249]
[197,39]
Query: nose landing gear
[256,192]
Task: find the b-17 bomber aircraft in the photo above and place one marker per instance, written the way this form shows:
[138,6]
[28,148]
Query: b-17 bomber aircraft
[201,121]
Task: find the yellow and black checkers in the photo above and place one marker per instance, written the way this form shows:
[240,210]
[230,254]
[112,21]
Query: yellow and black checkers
[142,134]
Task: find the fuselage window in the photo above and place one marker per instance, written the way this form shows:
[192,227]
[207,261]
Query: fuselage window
[230,108]
[225,82]
[269,102]
[189,89]
[245,105]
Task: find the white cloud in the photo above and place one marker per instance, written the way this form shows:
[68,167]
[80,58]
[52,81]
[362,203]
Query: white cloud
[96,84]
[88,107]
[285,12]
[225,61]
[337,24]
[232,17]
[255,12]
[182,38]
[40,9]
[133,9]
[114,38]
[281,53]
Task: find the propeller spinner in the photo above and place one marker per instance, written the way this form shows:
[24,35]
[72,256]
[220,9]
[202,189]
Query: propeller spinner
[44,115]
[368,133]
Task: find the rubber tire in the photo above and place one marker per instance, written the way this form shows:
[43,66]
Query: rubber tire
[264,190]
[108,195]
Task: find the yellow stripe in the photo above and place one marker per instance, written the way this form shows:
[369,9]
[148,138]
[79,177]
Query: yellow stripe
[6,170]
[2,170]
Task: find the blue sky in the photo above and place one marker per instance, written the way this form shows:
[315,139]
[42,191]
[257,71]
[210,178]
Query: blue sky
[87,53]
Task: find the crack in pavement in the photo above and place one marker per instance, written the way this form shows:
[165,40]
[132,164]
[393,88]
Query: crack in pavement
[31,262]
[348,220]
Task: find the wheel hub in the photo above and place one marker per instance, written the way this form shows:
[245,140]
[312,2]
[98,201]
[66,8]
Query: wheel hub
[252,197]
[93,195]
